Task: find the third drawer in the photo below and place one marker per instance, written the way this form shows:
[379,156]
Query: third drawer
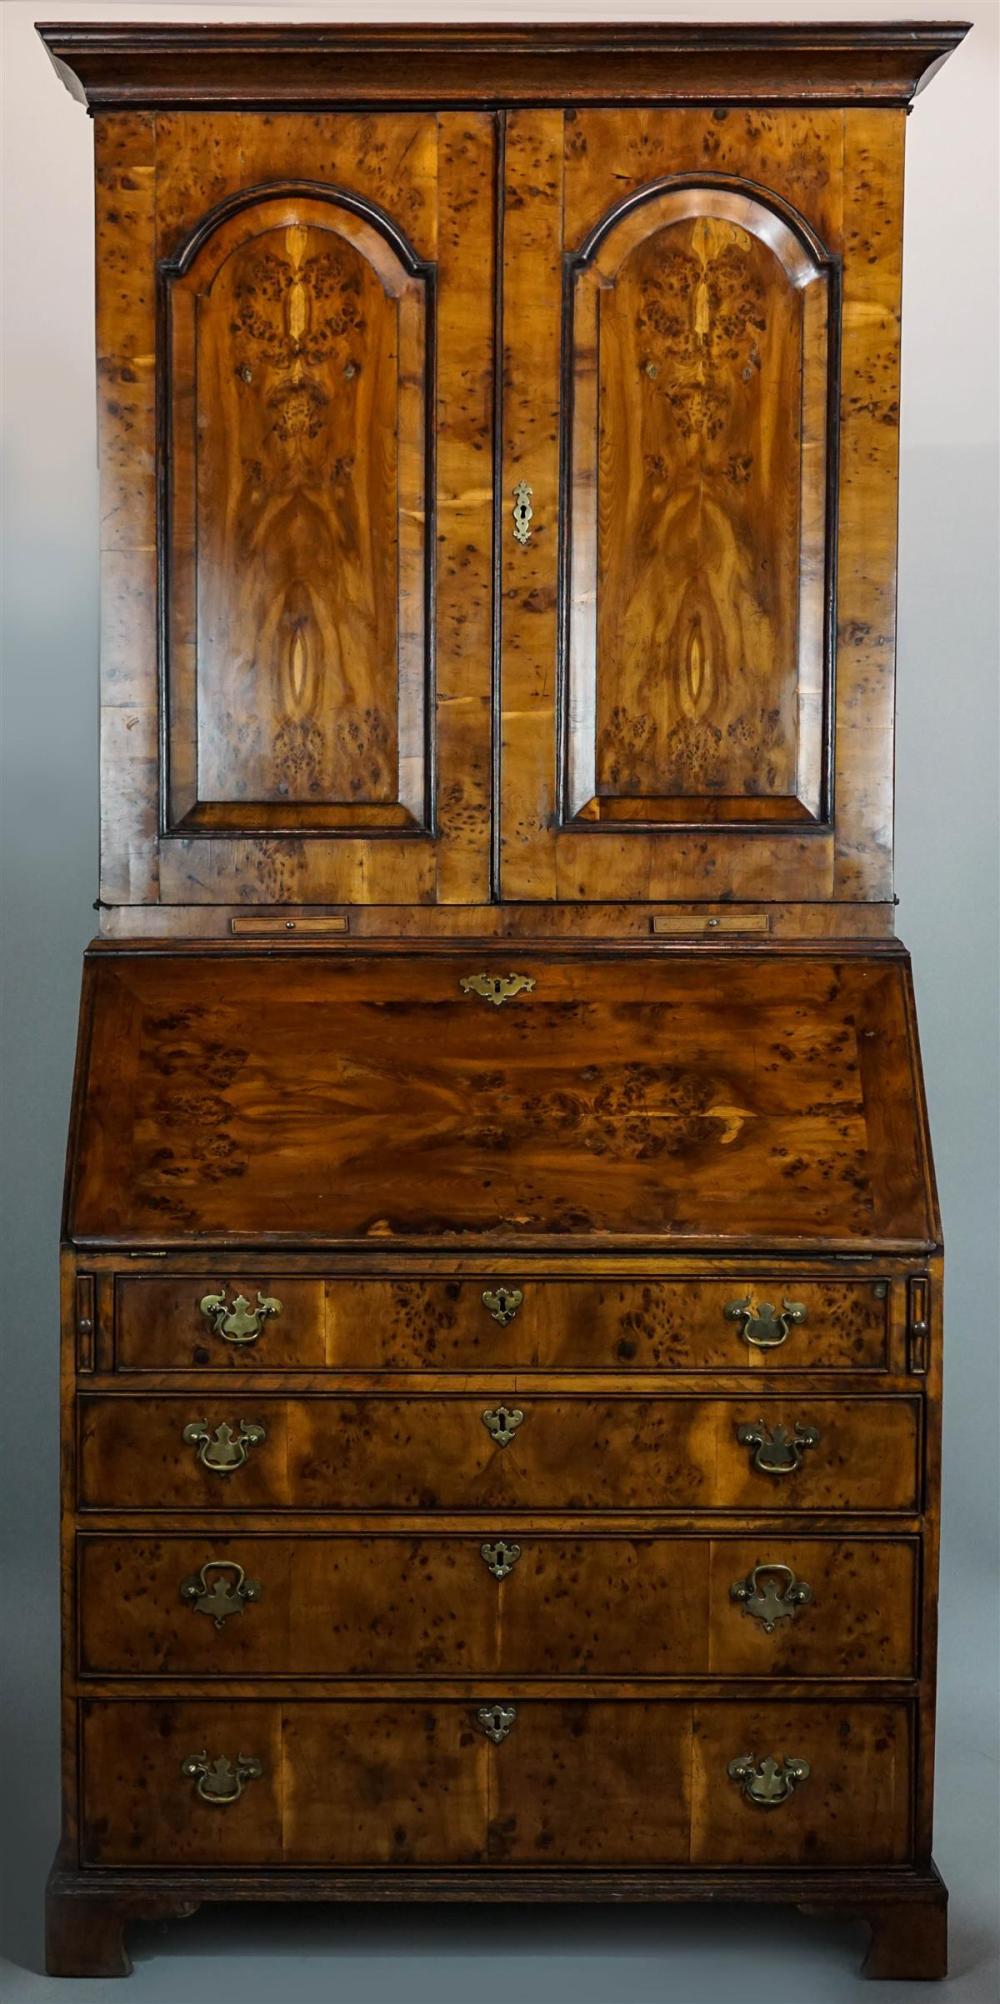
[532,1605]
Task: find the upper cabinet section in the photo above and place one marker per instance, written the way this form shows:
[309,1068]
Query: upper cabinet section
[699,636]
[498,466]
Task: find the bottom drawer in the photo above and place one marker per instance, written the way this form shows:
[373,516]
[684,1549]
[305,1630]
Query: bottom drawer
[494,1781]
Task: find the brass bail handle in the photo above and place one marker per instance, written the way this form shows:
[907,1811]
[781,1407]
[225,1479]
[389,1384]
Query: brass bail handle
[763,1327]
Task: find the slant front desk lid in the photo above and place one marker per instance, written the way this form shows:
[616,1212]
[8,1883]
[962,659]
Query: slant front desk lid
[389,1099]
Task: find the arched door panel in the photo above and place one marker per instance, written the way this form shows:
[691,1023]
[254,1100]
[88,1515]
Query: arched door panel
[697,331]
[297,578]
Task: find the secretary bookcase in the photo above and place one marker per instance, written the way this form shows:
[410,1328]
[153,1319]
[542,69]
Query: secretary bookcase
[502,1270]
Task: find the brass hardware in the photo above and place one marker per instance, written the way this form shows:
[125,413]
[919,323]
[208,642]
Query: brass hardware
[500,1557]
[240,1323]
[652,370]
[496,988]
[220,1780]
[522,512]
[770,1593]
[880,1289]
[245,373]
[224,1450]
[502,1424]
[219,1597]
[503,1303]
[496,1721]
[768,1782]
[677,926]
[776,1451]
[763,1326]
[271,928]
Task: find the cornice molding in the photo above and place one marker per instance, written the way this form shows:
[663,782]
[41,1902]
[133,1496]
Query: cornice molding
[121,66]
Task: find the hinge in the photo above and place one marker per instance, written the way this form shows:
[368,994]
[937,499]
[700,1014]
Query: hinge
[918,1291]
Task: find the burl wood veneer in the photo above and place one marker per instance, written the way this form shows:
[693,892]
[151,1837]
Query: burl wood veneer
[502,1286]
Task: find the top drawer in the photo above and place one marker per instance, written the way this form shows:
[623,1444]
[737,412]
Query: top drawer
[504,1322]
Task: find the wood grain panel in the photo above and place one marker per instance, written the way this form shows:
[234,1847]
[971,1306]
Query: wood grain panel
[138,1808]
[869,435]
[697,347]
[299,339]
[701,1097]
[854,1808]
[427,1453]
[125,199]
[404,1324]
[601,1784]
[378,1784]
[861,1619]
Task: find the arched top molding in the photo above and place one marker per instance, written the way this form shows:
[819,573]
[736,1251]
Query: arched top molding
[677,198]
[275,205]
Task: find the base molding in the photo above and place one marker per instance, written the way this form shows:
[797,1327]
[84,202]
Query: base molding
[87,1912]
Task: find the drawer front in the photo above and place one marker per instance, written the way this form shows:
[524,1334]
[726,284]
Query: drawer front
[525,1452]
[560,1782]
[503,1322]
[531,1606]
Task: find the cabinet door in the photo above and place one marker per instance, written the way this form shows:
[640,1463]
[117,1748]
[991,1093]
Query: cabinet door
[673,289]
[321,287]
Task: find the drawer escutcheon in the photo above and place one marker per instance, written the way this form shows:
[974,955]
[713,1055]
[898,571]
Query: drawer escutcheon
[496,1721]
[500,1557]
[502,1303]
[502,1423]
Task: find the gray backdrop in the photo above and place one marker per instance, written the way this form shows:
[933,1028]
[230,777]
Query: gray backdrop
[947,880]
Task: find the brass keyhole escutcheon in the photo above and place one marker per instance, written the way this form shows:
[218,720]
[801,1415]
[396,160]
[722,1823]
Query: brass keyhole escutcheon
[500,1557]
[496,988]
[502,1423]
[502,1303]
[496,1721]
[768,1782]
[221,1781]
[240,1323]
[220,1588]
[523,513]
[770,1593]
[777,1450]
[763,1327]
[226,1449]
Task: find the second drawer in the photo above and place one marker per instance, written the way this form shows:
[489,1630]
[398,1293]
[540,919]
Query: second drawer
[516,1452]
[535,1605]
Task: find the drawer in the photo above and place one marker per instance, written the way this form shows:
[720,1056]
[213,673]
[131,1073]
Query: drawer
[503,1322]
[531,1451]
[608,1782]
[538,1605]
